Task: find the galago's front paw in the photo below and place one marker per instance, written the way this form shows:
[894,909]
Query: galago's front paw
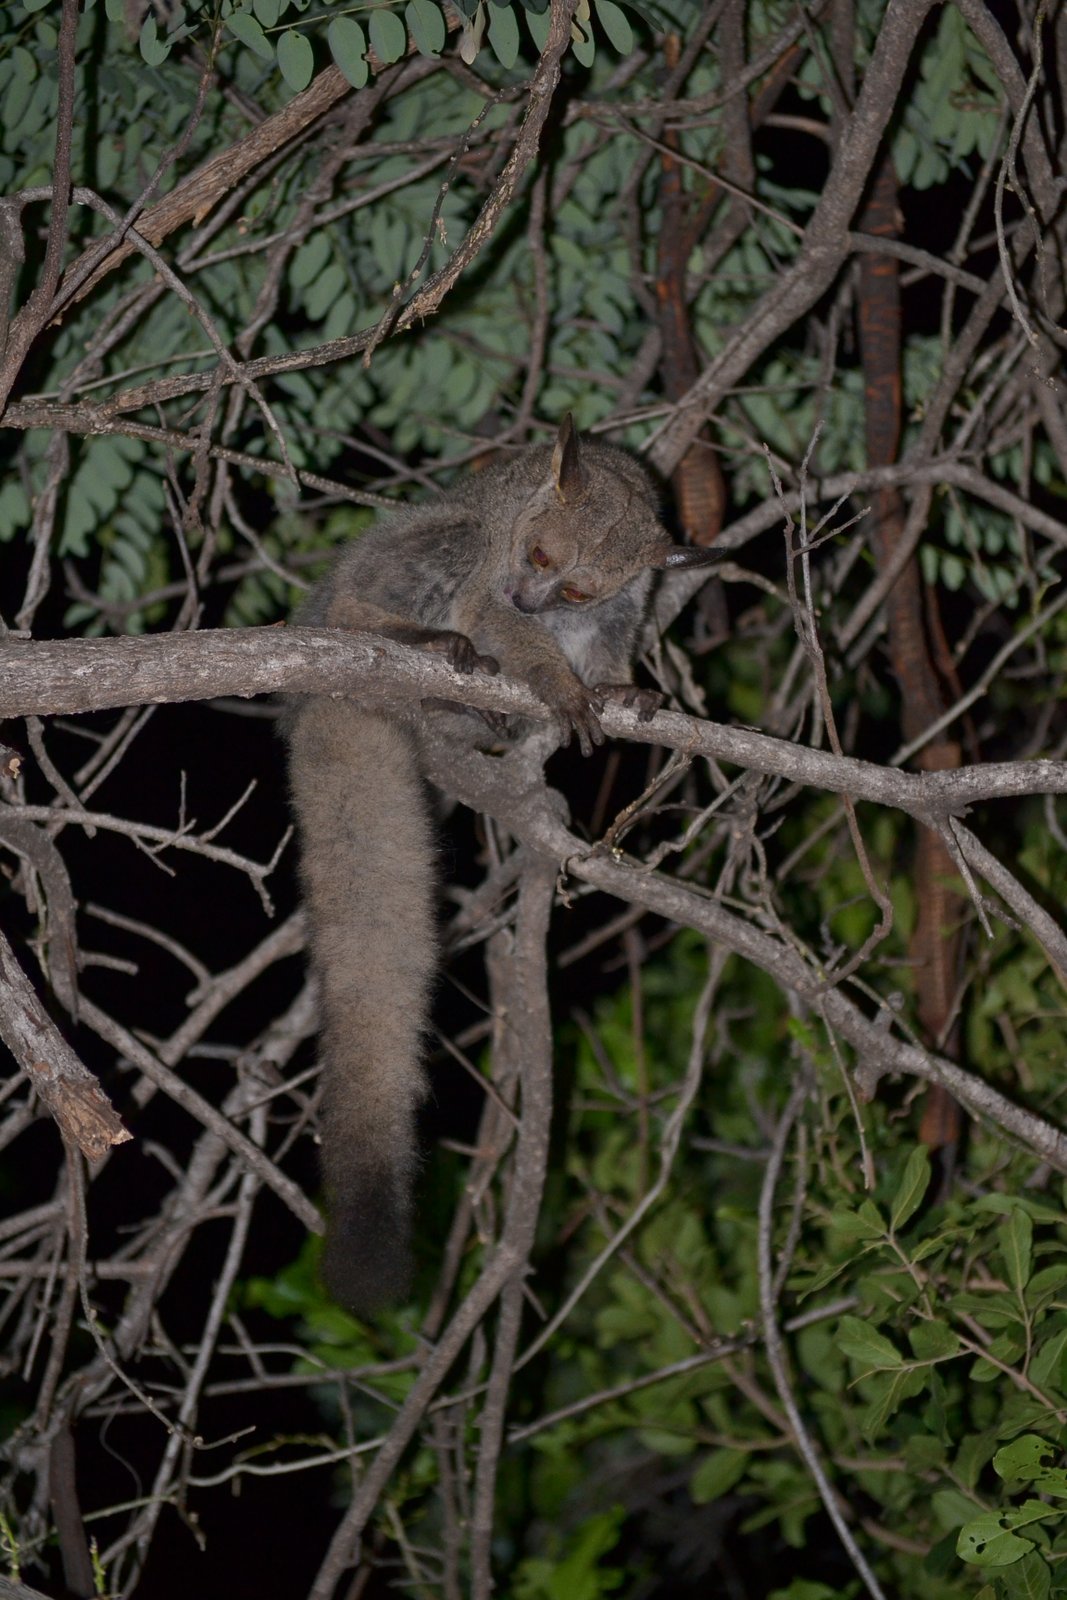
[575,706]
[458,651]
[646,702]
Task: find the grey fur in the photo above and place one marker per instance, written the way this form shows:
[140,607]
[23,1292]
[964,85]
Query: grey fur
[482,574]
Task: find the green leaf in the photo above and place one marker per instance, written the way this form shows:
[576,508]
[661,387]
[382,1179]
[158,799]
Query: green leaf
[997,1310]
[985,1543]
[268,11]
[953,571]
[717,1474]
[805,1286]
[867,1346]
[1004,1204]
[348,46]
[388,36]
[578,1570]
[426,26]
[952,1508]
[914,1182]
[1046,1283]
[296,59]
[321,294]
[1015,1238]
[309,260]
[924,1453]
[861,1224]
[1030,1511]
[23,62]
[340,320]
[153,49]
[868,1210]
[1028,1579]
[1047,1367]
[929,1247]
[14,509]
[539,23]
[243,26]
[664,1442]
[892,1389]
[1024,1458]
[504,35]
[933,1341]
[15,101]
[616,26]
[1007,1347]
[387,237]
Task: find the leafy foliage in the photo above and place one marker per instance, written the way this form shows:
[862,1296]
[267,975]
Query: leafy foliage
[193,431]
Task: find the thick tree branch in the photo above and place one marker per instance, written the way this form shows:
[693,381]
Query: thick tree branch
[86,1118]
[31,319]
[46,678]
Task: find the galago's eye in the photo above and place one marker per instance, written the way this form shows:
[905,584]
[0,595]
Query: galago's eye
[575,596]
[539,557]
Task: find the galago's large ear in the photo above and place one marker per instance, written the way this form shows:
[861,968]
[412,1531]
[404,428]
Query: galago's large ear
[567,474]
[686,555]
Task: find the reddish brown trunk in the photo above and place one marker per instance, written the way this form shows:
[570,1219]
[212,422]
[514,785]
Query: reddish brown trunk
[699,490]
[935,943]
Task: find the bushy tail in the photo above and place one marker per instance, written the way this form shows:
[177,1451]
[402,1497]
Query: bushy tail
[368,874]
